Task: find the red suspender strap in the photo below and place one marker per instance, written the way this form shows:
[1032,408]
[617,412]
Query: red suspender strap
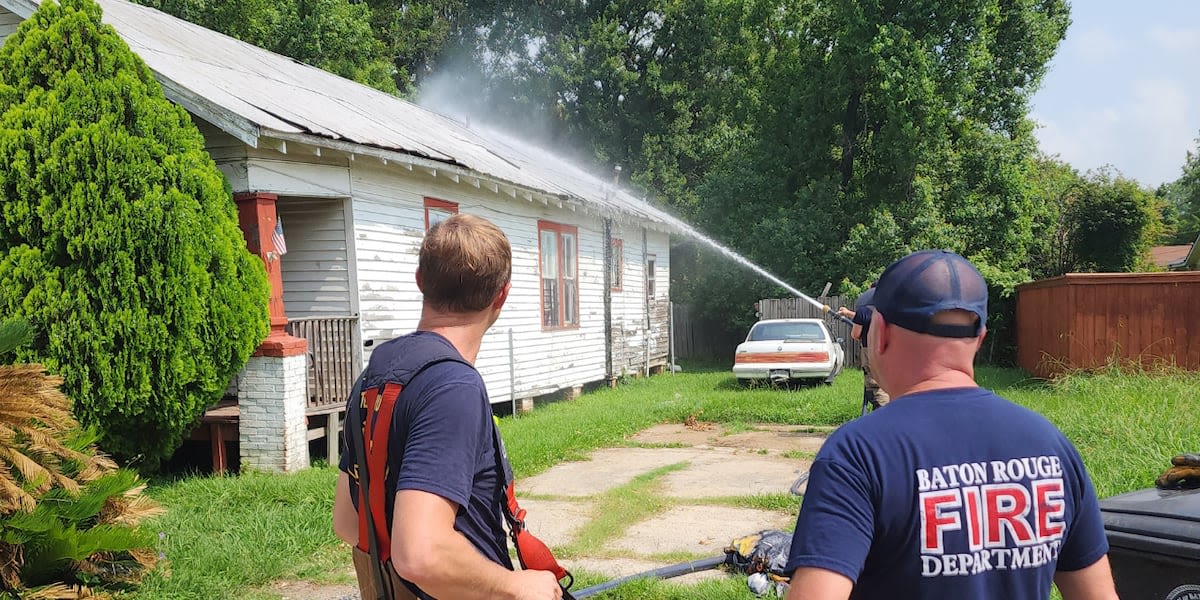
[377,426]
[532,553]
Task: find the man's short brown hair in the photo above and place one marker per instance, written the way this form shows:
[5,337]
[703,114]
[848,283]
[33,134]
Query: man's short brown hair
[465,262]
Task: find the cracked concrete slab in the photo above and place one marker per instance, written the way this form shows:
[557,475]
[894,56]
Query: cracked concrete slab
[608,468]
[703,530]
[715,474]
[555,522]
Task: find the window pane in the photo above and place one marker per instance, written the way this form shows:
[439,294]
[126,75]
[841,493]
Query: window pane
[570,303]
[550,303]
[437,215]
[549,257]
[650,276]
[568,242]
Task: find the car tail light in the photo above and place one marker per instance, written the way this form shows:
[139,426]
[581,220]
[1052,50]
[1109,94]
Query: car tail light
[780,357]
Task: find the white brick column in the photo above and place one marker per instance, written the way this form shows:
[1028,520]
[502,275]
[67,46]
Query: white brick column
[272,390]
[272,396]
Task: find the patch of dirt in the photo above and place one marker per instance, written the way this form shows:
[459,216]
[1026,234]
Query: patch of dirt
[307,590]
[719,464]
[772,438]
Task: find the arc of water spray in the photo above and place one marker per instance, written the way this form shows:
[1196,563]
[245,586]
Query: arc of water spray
[824,308]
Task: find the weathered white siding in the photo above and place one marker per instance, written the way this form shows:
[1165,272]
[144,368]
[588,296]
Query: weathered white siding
[659,245]
[358,255]
[389,225]
[629,305]
[8,24]
[316,268]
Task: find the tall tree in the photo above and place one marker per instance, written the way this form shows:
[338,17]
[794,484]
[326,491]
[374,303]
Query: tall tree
[413,35]
[1099,221]
[907,118]
[334,35]
[1183,198]
[118,236]
[1112,224]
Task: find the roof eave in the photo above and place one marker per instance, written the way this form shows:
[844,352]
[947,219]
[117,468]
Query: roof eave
[460,172]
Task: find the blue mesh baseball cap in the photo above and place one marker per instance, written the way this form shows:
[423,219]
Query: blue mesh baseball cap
[866,298]
[915,288]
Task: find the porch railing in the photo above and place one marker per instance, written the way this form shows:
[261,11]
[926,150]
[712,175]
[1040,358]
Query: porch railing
[333,358]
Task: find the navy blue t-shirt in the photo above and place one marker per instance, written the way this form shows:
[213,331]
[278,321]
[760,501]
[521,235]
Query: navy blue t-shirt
[949,494]
[441,442]
[864,309]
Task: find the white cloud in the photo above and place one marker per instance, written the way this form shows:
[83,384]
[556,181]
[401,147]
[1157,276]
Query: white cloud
[1185,42]
[1141,133]
[1096,45]
[1086,139]
[1161,110]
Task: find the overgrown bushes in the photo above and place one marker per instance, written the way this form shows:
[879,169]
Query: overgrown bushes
[118,236]
[68,517]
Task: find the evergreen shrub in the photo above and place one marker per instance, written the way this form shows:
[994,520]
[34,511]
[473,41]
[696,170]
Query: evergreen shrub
[119,238]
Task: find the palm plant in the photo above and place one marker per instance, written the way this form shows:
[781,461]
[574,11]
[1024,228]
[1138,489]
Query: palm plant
[68,515]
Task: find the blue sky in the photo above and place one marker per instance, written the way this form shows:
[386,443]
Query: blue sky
[1124,88]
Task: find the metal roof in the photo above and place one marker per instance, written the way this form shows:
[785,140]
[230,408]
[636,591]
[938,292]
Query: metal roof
[259,96]
[1170,256]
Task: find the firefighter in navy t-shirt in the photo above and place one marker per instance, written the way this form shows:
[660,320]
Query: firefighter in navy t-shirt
[864,307]
[446,530]
[952,492]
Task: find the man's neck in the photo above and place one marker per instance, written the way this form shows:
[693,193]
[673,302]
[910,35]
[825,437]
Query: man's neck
[941,381]
[464,331]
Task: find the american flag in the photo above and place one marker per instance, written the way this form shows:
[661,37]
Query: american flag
[277,238]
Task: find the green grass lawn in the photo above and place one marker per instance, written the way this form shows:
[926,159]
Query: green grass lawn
[226,537]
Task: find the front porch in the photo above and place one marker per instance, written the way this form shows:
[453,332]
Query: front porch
[292,390]
[330,367]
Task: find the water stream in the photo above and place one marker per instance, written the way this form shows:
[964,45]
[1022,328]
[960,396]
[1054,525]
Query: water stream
[693,233]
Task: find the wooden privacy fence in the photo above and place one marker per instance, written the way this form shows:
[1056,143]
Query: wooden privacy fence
[1090,320]
[795,308]
[334,357]
[691,339]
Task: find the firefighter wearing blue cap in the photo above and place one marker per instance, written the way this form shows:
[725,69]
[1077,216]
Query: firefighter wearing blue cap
[864,307]
[953,491]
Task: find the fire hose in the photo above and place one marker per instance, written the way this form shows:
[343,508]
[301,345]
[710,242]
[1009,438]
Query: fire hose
[668,572]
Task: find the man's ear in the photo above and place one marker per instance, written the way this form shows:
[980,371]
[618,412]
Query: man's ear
[979,340]
[420,283]
[877,334]
[498,303]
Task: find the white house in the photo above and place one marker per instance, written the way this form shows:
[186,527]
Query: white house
[355,176]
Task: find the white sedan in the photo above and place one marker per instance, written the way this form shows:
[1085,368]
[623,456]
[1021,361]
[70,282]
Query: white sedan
[784,350]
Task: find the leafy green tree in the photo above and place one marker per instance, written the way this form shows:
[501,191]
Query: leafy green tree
[1099,221]
[334,35]
[1112,224]
[1183,199]
[118,236]
[822,140]
[1054,187]
[413,35]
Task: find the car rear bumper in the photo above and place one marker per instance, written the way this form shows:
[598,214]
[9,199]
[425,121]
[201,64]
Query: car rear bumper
[794,371]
